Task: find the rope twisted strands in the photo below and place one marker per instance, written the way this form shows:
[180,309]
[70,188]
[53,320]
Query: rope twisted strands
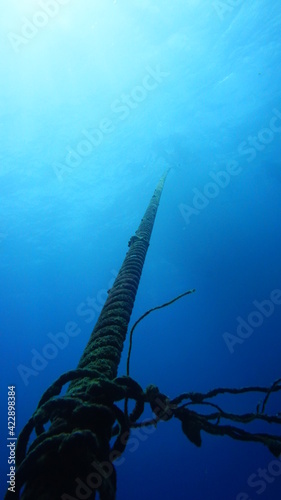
[65,462]
[105,346]
[193,423]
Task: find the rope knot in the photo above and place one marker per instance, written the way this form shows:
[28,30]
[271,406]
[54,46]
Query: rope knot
[160,404]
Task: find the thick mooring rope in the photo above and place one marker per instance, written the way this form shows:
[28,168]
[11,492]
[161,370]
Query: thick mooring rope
[104,412]
[72,456]
[59,463]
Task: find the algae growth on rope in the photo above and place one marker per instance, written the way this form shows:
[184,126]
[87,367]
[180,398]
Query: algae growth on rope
[72,456]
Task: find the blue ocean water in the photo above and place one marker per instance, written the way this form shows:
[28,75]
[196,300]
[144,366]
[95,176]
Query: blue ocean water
[97,100]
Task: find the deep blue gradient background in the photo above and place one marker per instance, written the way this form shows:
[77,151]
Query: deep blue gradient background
[64,230]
